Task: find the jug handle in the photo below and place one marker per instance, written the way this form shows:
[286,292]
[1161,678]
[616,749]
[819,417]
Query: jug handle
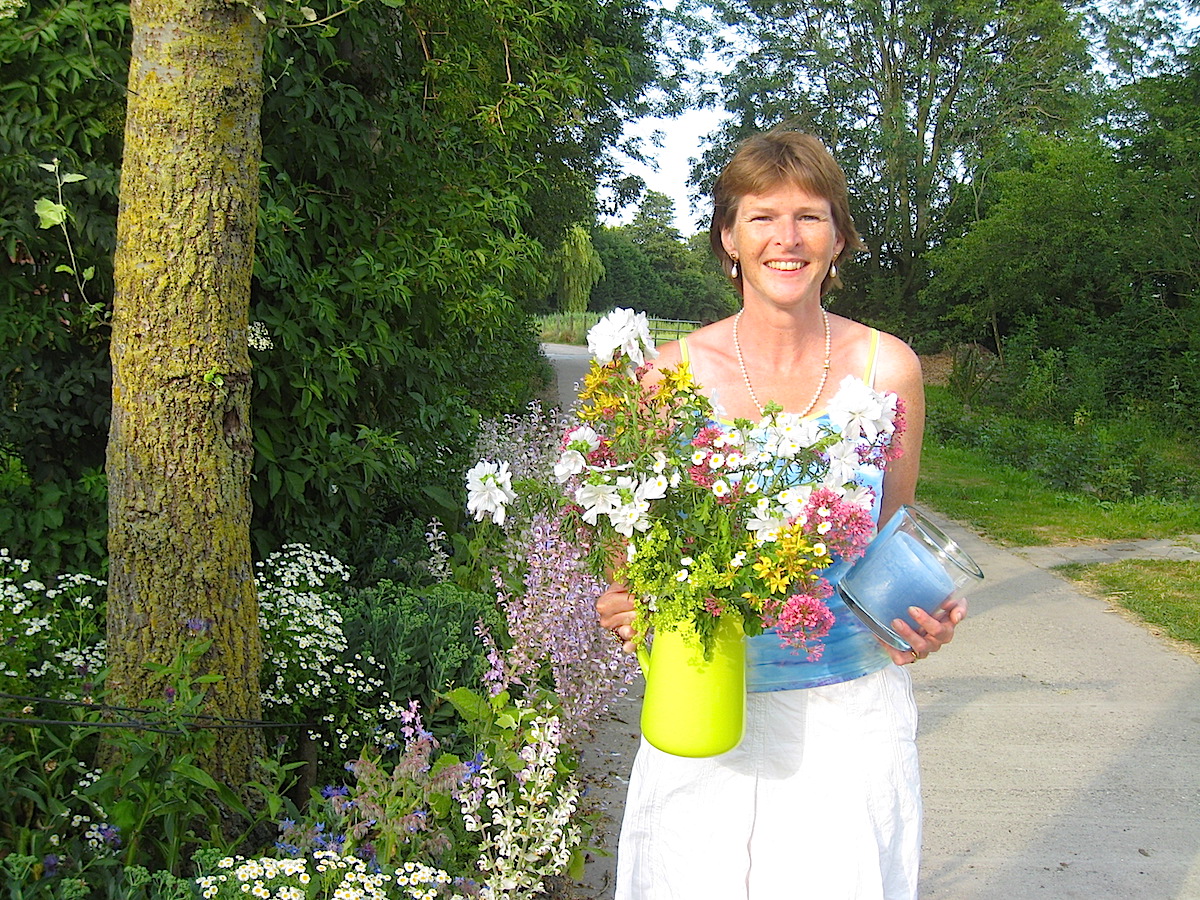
[643,654]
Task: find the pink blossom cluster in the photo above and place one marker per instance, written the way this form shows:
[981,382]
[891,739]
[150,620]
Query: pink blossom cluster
[702,471]
[879,455]
[844,527]
[803,619]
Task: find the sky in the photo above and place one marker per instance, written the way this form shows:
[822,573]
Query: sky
[682,137]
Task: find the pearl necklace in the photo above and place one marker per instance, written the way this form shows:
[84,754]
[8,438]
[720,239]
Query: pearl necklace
[737,346]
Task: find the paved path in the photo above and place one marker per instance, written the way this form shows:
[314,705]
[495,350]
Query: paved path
[1060,743]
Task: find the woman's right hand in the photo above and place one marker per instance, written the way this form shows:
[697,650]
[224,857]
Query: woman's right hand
[615,609]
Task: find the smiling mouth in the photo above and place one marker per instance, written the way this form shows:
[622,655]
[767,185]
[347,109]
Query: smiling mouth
[786,265]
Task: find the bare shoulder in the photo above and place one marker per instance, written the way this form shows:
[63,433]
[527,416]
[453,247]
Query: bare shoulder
[711,337]
[897,361]
[897,367]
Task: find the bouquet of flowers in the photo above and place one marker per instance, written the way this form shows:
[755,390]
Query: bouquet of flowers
[704,520]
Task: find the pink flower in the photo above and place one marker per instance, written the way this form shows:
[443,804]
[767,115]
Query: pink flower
[803,619]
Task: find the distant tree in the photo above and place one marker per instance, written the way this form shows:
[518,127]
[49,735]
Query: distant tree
[649,266]
[629,279]
[1044,252]
[575,269]
[912,99]
[1155,123]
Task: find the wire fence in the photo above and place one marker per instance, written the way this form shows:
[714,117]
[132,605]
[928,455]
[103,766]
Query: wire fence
[667,330]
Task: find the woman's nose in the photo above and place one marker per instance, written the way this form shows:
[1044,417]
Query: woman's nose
[786,231]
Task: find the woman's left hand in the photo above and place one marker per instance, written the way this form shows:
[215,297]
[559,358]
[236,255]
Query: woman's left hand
[931,633]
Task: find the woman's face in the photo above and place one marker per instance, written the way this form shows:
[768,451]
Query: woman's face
[784,241]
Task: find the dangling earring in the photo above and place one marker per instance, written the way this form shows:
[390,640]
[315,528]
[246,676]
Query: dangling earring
[733,270]
[832,269]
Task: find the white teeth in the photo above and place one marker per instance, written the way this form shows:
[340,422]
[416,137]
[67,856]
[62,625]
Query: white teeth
[786,265]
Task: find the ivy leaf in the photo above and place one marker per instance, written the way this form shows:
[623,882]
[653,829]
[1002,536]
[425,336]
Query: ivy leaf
[49,213]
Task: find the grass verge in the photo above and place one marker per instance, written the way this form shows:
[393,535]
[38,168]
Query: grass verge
[1161,593]
[1015,508]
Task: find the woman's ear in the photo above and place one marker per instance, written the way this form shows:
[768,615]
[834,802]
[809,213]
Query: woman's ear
[727,241]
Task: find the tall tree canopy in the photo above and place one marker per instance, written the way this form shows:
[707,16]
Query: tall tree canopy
[419,161]
[913,98]
[1085,259]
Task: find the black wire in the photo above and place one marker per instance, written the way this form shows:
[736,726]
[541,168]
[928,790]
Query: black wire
[218,721]
[136,726]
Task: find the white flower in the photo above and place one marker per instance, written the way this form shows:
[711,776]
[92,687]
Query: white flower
[860,494]
[489,489]
[583,439]
[793,499]
[652,489]
[624,331]
[843,461]
[720,488]
[858,410]
[597,499]
[660,462]
[731,438]
[766,522]
[572,462]
[630,517]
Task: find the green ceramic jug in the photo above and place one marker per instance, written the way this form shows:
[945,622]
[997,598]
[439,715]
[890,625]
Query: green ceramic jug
[692,706]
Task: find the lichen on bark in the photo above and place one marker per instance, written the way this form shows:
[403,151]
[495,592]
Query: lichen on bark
[179,451]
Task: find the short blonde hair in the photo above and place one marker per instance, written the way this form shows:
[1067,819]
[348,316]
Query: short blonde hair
[766,161]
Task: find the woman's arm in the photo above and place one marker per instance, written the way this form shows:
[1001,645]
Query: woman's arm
[900,371]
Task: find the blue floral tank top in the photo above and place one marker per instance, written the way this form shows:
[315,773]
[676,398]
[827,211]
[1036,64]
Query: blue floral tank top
[851,650]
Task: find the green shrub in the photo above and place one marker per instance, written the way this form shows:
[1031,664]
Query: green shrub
[423,638]
[1115,459]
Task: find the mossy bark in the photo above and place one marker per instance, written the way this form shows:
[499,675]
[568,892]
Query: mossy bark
[179,451]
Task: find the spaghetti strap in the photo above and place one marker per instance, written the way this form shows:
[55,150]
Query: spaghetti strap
[872,359]
[683,352]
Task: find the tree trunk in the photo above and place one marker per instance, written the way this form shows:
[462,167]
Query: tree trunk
[179,451]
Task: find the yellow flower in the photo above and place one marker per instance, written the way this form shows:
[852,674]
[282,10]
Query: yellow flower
[676,379]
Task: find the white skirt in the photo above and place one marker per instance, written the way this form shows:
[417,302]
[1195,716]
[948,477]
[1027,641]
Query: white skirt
[821,800]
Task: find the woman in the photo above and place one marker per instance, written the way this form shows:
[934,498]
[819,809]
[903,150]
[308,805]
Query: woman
[822,797]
